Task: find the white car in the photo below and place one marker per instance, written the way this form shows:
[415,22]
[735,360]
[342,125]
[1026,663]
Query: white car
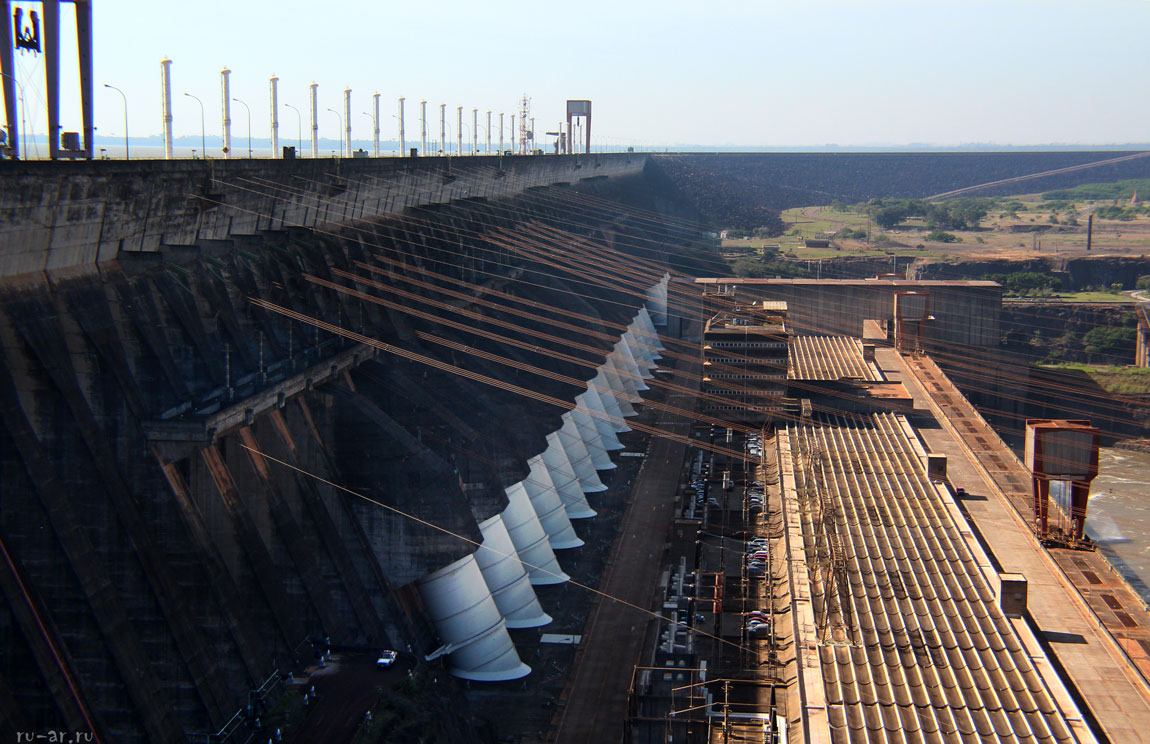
[386,659]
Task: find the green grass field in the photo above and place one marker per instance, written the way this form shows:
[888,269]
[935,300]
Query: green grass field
[1112,379]
[1076,297]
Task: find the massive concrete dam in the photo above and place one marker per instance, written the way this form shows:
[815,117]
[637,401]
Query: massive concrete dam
[189,404]
[261,420]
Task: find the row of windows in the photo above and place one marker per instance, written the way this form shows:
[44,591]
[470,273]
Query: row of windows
[747,377]
[756,393]
[747,344]
[763,409]
[779,363]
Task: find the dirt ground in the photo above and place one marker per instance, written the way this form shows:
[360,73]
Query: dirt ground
[1029,235]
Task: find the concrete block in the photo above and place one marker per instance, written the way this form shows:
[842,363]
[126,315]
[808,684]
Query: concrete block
[1012,594]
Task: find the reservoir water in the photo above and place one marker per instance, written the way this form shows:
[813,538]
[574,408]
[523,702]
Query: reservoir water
[1118,517]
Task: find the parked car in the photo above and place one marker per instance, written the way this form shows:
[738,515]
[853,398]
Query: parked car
[386,658]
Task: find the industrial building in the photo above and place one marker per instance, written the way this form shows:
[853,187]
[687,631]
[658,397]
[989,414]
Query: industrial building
[882,590]
[745,361]
[965,312]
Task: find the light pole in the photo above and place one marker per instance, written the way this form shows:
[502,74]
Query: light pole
[340,128]
[249,126]
[21,148]
[374,119]
[126,153]
[203,136]
[299,126]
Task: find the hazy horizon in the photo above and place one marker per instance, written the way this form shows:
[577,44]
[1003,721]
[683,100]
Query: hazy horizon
[740,75]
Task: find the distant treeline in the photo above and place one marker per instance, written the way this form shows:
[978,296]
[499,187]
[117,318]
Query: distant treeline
[1122,190]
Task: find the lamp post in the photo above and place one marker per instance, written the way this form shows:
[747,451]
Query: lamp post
[127,155]
[374,119]
[249,126]
[21,148]
[340,128]
[299,126]
[203,136]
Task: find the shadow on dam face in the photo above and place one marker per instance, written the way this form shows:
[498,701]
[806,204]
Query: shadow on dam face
[175,456]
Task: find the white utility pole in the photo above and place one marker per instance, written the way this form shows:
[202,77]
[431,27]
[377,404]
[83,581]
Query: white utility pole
[226,110]
[314,120]
[274,111]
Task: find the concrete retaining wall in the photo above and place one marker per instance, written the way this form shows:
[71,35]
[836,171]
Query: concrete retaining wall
[66,215]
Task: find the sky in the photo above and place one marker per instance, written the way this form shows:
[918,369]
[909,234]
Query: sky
[660,74]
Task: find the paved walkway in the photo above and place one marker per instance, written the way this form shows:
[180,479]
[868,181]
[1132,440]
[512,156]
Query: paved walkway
[596,705]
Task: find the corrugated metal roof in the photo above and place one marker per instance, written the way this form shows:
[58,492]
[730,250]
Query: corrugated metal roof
[828,358]
[916,647]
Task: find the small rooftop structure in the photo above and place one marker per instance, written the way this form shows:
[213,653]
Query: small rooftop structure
[1061,450]
[750,317]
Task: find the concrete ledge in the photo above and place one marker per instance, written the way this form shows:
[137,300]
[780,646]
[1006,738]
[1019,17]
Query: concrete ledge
[66,214]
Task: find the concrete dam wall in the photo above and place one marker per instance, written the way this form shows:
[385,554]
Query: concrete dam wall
[210,467]
[59,215]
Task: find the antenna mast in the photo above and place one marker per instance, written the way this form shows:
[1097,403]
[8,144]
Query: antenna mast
[525,134]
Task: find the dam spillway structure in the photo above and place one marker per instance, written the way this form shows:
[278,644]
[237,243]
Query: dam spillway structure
[470,623]
[213,454]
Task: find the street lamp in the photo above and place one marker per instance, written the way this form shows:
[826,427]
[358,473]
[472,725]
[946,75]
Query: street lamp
[299,126]
[126,153]
[375,129]
[23,147]
[203,149]
[249,125]
[340,128]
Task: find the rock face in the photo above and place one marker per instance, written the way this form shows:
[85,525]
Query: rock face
[211,457]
